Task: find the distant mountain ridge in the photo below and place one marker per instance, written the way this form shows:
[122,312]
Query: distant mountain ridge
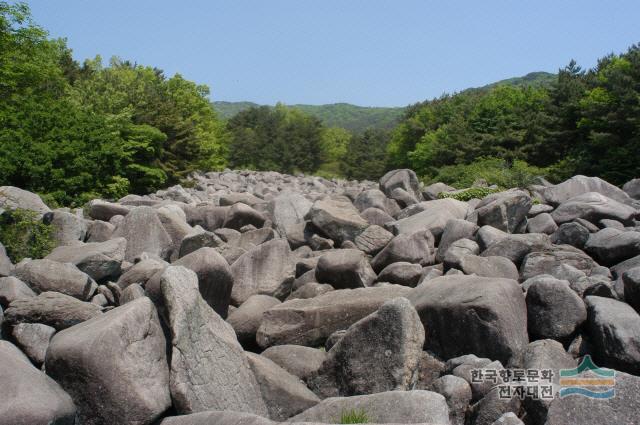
[359,118]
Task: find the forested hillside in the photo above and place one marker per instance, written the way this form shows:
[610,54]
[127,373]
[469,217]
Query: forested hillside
[350,117]
[74,131]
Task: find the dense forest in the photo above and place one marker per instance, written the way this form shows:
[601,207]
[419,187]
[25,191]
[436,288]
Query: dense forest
[74,131]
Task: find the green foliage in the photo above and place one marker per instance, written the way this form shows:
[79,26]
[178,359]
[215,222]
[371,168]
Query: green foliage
[366,155]
[494,171]
[279,139]
[471,193]
[24,235]
[354,417]
[343,115]
[585,122]
[73,132]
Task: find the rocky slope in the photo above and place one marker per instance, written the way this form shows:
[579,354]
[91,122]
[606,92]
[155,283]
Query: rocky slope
[255,298]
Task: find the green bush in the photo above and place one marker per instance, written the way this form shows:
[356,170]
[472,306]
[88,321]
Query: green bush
[494,171]
[354,417]
[24,235]
[471,193]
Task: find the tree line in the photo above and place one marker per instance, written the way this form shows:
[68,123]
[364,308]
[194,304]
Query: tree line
[75,131]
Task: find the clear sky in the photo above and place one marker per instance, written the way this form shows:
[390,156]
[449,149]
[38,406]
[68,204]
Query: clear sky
[367,52]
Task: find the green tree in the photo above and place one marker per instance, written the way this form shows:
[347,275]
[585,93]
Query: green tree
[366,155]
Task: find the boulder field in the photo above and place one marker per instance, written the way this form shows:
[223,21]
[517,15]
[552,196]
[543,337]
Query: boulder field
[256,298]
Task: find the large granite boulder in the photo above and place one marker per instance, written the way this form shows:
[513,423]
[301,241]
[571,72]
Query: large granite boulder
[246,319]
[470,314]
[614,333]
[416,248]
[209,370]
[57,310]
[284,394]
[100,260]
[288,209]
[432,216]
[267,269]
[29,397]
[48,275]
[337,218]
[310,321]
[345,269]
[12,198]
[578,185]
[380,352]
[144,232]
[506,211]
[298,360]
[404,179]
[593,207]
[114,366]
[612,246]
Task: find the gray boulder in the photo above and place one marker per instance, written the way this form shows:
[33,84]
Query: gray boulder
[288,209]
[209,370]
[103,210]
[12,198]
[592,206]
[545,354]
[401,273]
[11,289]
[123,353]
[310,321]
[578,185]
[310,290]
[33,339]
[99,231]
[28,395]
[217,418]
[267,269]
[199,239]
[100,260]
[457,392]
[631,282]
[215,278]
[554,310]
[376,216]
[493,311]
[374,198]
[6,266]
[433,216]
[432,191]
[373,239]
[345,269]
[614,332]
[380,352]
[298,360]
[611,246]
[141,272]
[68,228]
[400,407]
[284,394]
[246,319]
[454,230]
[404,179]
[506,211]
[572,233]
[144,232]
[239,215]
[489,267]
[515,247]
[51,308]
[621,409]
[542,223]
[632,188]
[47,275]
[131,292]
[547,261]
[338,219]
[416,248]
[459,250]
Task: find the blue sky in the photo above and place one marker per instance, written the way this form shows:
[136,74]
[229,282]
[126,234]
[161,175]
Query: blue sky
[367,52]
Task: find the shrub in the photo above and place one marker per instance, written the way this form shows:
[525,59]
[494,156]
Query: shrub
[494,171]
[471,193]
[354,417]
[24,235]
